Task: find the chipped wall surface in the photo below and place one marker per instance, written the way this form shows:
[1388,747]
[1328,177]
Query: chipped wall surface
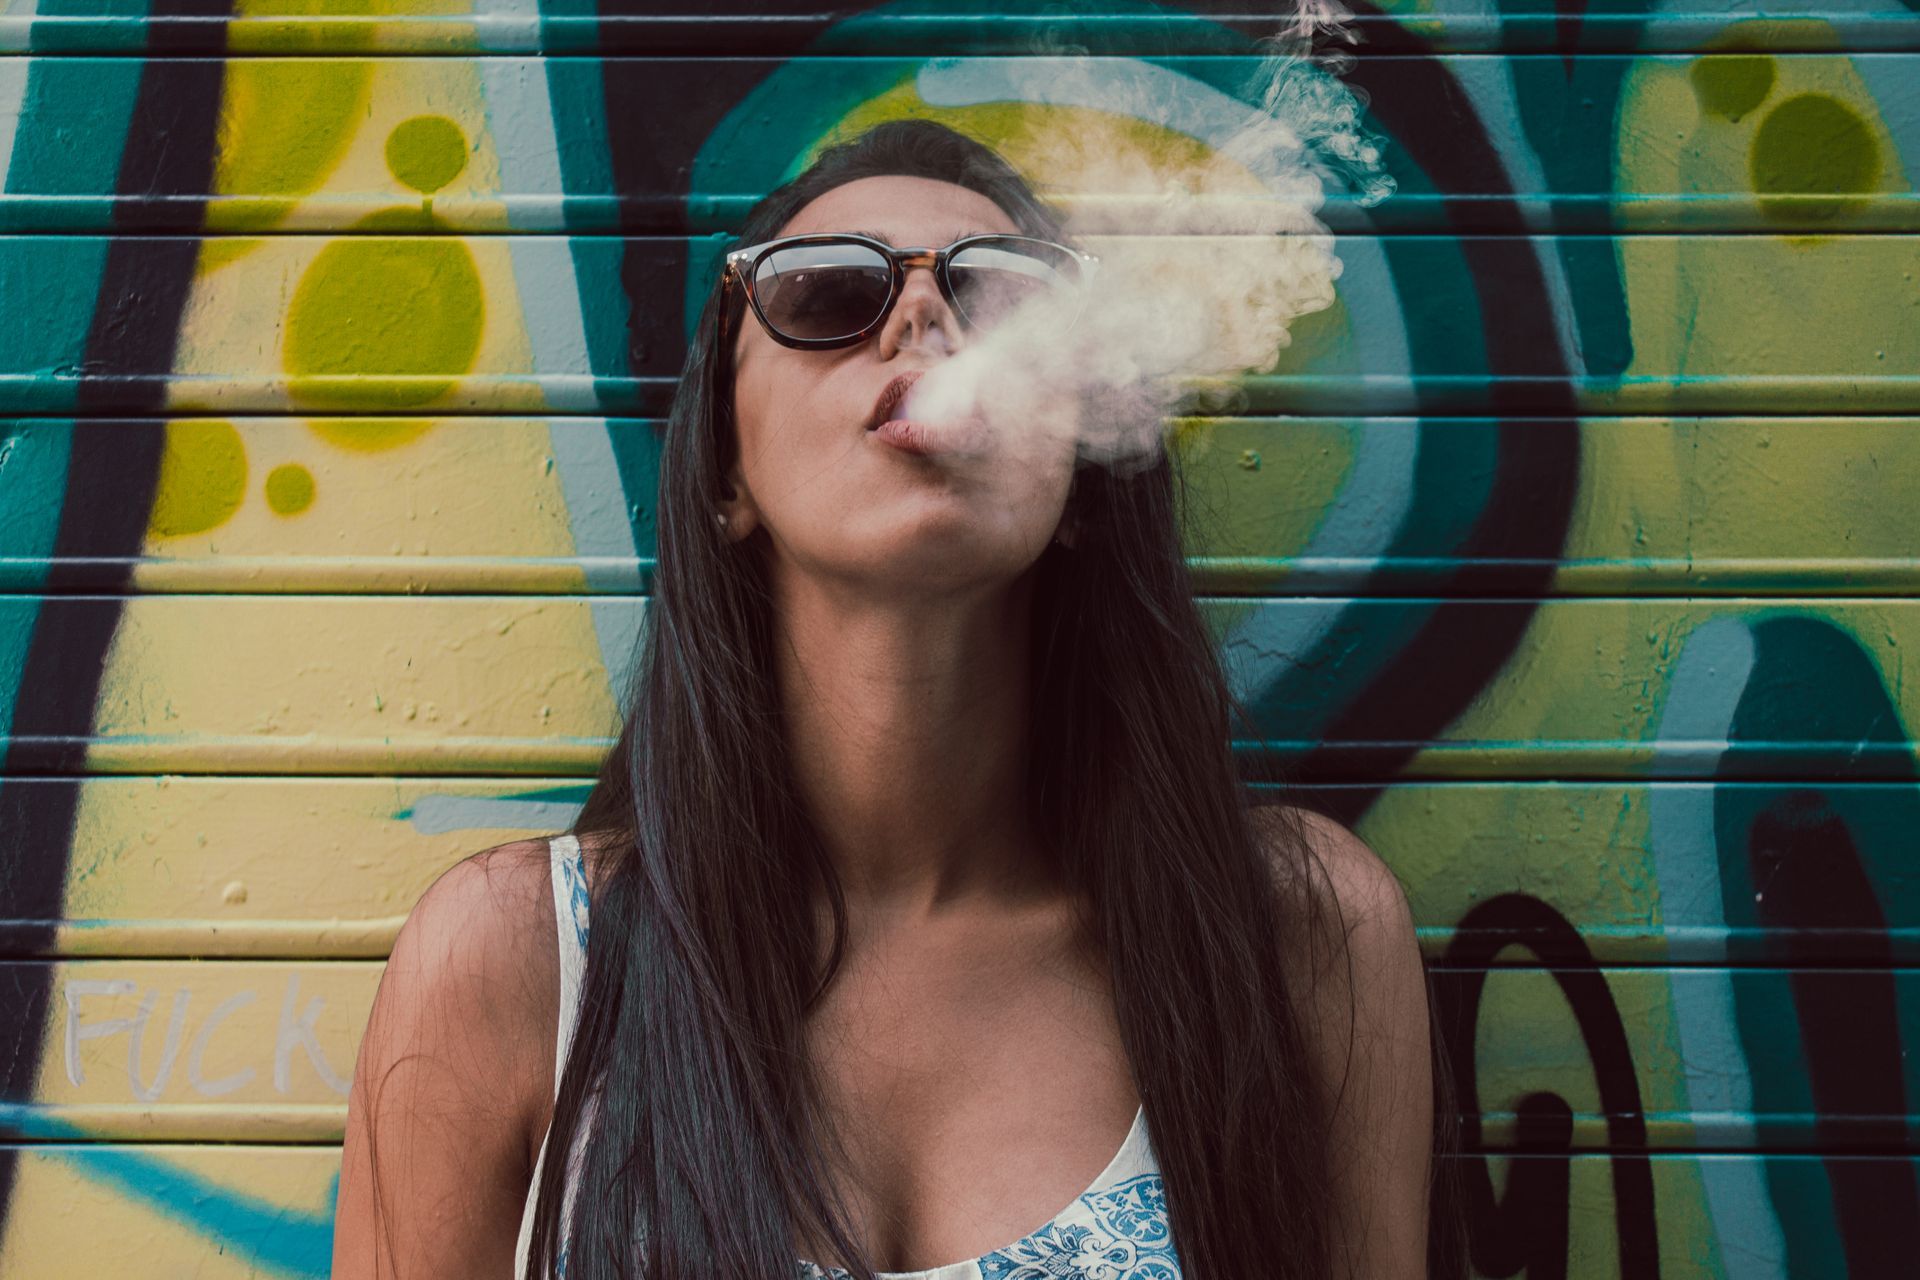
[1570,555]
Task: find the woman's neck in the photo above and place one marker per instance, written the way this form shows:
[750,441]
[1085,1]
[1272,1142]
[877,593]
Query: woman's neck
[907,727]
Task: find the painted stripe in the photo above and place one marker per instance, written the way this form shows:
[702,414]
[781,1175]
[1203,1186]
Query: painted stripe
[1889,83]
[1141,90]
[438,815]
[13,90]
[520,117]
[1488,83]
[1361,524]
[520,123]
[596,502]
[288,1240]
[1258,653]
[1364,521]
[1709,679]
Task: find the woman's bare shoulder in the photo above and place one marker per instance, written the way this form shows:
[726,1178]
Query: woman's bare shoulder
[453,1067]
[1351,935]
[1364,997]
[486,918]
[1348,885]
[477,959]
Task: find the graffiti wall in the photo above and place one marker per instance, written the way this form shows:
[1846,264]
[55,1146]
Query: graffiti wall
[1570,556]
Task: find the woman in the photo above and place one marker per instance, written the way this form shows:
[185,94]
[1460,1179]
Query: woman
[920,879]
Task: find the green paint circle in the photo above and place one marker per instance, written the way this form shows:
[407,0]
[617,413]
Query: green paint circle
[289,489]
[370,311]
[1812,145]
[426,152]
[1731,85]
[203,477]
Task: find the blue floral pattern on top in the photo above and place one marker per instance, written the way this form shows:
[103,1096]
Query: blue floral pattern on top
[573,872]
[1115,1232]
[1126,1238]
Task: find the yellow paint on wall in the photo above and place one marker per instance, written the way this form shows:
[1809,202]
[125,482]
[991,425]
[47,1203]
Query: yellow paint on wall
[383,487]
[284,124]
[313,317]
[287,26]
[1584,849]
[363,676]
[395,321]
[373,320]
[301,139]
[293,865]
[1595,674]
[426,152]
[1716,489]
[1259,487]
[404,91]
[1527,1038]
[67,1218]
[1702,308]
[289,489]
[202,481]
[129,1040]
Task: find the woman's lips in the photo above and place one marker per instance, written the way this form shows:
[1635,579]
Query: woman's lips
[891,425]
[967,435]
[892,397]
[906,434]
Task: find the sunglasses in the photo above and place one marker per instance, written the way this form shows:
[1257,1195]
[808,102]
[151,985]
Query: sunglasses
[837,289]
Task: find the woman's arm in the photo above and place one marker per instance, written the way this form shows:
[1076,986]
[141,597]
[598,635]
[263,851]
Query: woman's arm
[1365,1001]
[435,1166]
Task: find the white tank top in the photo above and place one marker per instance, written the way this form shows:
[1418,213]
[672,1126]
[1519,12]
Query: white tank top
[570,903]
[1114,1230]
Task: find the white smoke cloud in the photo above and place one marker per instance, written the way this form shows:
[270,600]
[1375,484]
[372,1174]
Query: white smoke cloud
[1204,209]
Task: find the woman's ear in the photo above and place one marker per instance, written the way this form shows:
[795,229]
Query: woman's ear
[1069,527]
[737,507]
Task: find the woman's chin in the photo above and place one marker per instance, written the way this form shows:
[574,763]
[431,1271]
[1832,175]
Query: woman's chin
[948,550]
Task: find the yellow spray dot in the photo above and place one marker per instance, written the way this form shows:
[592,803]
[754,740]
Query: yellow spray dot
[1731,85]
[289,489]
[371,311]
[369,435]
[203,477]
[284,125]
[426,153]
[1812,145]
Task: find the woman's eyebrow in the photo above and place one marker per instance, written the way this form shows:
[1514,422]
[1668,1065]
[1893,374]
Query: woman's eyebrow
[875,235]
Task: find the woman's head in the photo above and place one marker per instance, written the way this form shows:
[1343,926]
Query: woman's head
[781,446]
[712,1141]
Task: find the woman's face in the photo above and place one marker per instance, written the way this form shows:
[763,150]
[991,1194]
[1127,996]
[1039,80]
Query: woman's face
[839,502]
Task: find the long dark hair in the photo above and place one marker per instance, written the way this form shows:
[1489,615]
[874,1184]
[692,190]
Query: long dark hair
[705,1155]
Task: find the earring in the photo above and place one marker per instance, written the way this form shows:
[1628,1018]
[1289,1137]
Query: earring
[720,518]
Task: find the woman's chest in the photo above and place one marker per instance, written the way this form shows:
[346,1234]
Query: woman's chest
[974,1102]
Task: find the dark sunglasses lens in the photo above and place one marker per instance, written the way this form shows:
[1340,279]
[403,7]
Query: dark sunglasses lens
[822,290]
[992,280]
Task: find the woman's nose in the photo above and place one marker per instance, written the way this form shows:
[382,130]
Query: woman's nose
[921,318]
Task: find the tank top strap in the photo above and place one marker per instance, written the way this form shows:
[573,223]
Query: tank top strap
[570,903]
